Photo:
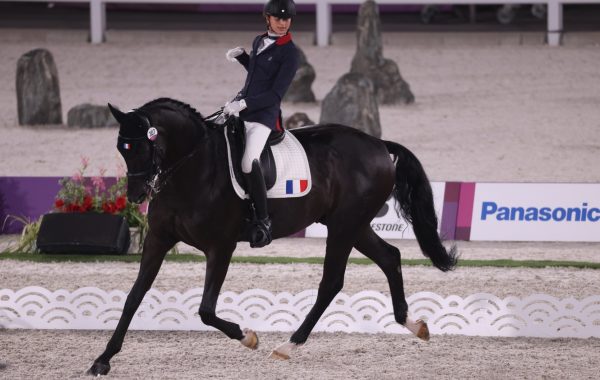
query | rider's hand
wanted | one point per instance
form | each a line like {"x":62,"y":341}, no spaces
{"x":235,"y":107}
{"x":235,"y":52}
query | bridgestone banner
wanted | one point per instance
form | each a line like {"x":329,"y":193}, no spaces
{"x":387,"y":223}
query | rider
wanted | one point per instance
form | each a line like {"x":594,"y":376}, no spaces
{"x":271,"y":67}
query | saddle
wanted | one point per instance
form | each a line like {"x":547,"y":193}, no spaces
{"x":283,"y":161}
{"x":236,"y":136}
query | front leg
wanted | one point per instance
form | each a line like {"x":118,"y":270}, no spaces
{"x":217,"y":264}
{"x":153,"y":255}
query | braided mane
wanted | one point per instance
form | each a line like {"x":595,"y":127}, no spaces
{"x":175,"y":105}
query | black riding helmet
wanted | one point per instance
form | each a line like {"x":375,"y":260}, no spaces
{"x":280,"y":8}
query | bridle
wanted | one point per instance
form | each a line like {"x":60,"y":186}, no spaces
{"x":155,"y":176}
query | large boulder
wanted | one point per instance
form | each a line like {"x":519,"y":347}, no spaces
{"x":352,"y":101}
{"x":38,"y":93}
{"x":90,"y":116}
{"x":297,"y":120}
{"x":300,"y":89}
{"x":391,"y":88}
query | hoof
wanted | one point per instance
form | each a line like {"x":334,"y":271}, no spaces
{"x":98,"y":369}
{"x":278,"y":355}
{"x":250,"y":339}
{"x":423,"y":332}
{"x":283,"y":352}
{"x":419,"y":328}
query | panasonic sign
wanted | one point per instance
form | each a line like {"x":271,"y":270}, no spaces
{"x":536,"y":212}
{"x":540,"y":214}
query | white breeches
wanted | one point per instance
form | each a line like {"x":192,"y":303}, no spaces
{"x":256,"y":137}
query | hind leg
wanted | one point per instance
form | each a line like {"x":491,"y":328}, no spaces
{"x":387,"y":257}
{"x":336,"y":258}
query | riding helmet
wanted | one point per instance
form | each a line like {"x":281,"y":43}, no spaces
{"x":280,"y":8}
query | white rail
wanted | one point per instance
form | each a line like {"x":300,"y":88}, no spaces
{"x":323,"y":12}
{"x":479,"y":314}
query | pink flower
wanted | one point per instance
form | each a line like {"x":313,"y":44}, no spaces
{"x":85,"y":162}
{"x":98,"y":183}
{"x":143,"y":207}
{"x":77,"y":177}
{"x":121,"y":170}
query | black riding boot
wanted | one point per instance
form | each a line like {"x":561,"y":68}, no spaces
{"x":260,"y":234}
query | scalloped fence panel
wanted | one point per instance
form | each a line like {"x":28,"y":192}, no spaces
{"x":479,"y":314}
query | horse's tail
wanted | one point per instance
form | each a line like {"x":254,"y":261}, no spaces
{"x":414,"y":201}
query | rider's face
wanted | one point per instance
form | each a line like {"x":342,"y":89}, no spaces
{"x":279,"y":25}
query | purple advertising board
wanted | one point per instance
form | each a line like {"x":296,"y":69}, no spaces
{"x":26,"y":198}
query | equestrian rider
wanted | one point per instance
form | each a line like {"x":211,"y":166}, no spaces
{"x":271,"y":66}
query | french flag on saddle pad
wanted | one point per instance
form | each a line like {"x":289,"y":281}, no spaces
{"x":295,"y":186}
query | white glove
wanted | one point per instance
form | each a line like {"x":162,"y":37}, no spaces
{"x":232,"y":53}
{"x":235,"y":107}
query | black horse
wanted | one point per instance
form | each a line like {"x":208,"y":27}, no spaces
{"x":353,"y":174}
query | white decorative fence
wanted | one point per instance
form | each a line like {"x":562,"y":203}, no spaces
{"x":368,"y":311}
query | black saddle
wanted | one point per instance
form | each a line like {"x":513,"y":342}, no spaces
{"x":236,"y":135}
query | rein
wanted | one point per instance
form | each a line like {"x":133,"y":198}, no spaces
{"x":156,"y":184}
{"x":160,"y":178}
{"x":217,"y":120}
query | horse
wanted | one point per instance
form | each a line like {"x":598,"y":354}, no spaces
{"x":178,"y":159}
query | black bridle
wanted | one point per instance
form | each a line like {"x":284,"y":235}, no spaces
{"x":155,"y":177}
{"x":160,"y":177}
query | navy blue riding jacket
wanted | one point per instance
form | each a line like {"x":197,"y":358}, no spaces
{"x":270,"y":73}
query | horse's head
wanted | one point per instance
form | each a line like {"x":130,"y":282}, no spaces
{"x":155,"y":141}
{"x":136,"y":143}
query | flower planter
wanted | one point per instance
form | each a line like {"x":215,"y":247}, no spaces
{"x":83,"y":233}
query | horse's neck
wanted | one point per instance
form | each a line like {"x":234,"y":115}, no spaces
{"x":207,"y":175}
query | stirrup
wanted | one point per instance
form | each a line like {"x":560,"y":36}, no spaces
{"x":260,"y":235}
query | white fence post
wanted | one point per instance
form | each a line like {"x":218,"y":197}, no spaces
{"x":555,"y":22}
{"x":323,"y":32}
{"x":97,"y":21}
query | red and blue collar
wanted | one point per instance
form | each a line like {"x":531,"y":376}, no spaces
{"x":283,"y":39}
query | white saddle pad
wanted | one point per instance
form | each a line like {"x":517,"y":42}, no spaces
{"x":293,"y":173}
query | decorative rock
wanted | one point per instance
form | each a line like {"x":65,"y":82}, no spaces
{"x":38,"y":93}
{"x":297,"y":120}
{"x":352,"y":101}
{"x":90,"y":116}
{"x":300,"y":88}
{"x":368,"y":60}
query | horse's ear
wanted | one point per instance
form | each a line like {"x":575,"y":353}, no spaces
{"x":121,"y":117}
